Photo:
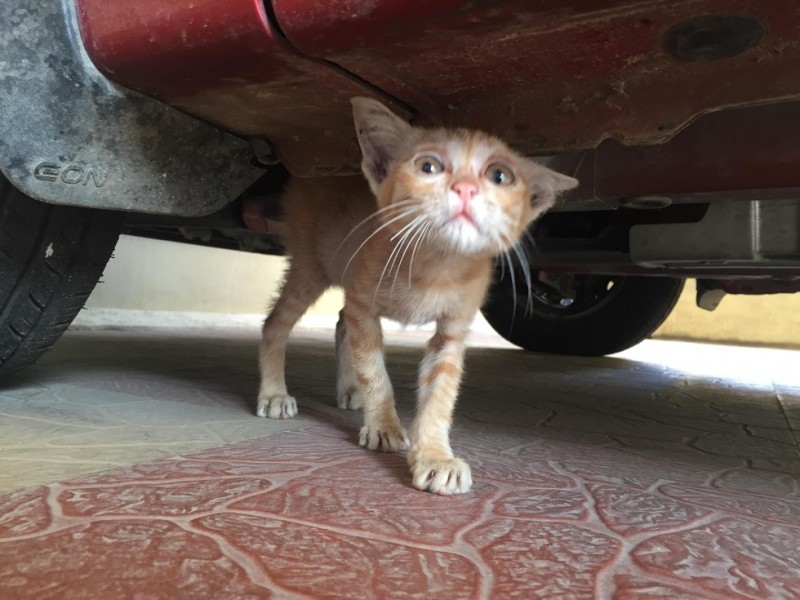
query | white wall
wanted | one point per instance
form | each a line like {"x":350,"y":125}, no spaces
{"x":154,"y":275}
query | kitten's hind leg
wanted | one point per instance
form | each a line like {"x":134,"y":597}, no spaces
{"x":382,"y":429}
{"x":298,"y":293}
{"x":348,"y":394}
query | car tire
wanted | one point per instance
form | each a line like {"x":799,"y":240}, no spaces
{"x":51,"y":257}
{"x":604,"y":315}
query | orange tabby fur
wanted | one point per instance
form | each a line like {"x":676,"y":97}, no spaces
{"x":425,"y":255}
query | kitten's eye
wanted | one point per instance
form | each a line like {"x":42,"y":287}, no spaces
{"x":429,"y":164}
{"x":500,"y":174}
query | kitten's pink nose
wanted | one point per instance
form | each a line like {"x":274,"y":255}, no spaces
{"x":466,"y":189}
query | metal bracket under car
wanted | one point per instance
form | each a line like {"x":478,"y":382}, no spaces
{"x":70,"y":136}
{"x":761,"y":233}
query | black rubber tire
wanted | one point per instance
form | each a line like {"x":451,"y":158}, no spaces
{"x":50,"y":260}
{"x":634,"y":311}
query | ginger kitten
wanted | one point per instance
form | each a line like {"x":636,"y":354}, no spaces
{"x":447,"y":203}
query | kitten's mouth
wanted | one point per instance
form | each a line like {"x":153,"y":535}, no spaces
{"x":463,"y":217}
{"x":465,"y":228}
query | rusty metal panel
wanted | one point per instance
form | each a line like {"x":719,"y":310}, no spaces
{"x":549,"y":75}
{"x":223,"y":62}
{"x":725,"y":152}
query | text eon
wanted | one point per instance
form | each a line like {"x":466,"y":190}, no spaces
{"x":69,"y":174}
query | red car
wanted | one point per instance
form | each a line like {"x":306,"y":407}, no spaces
{"x":181,"y":119}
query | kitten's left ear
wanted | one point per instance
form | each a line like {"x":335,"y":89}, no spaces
{"x":546,"y":184}
{"x":382,"y":135}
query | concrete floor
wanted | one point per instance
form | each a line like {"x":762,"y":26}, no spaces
{"x":132,"y":465}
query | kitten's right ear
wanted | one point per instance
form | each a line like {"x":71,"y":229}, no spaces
{"x":545,"y":184}
{"x":382,"y":136}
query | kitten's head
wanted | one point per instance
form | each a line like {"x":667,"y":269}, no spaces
{"x":473,"y":193}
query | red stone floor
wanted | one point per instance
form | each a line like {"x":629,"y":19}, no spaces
{"x":604,"y":478}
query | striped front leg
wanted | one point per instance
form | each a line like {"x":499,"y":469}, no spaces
{"x":433,"y":466}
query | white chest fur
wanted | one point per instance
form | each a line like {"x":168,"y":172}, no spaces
{"x":420,"y":305}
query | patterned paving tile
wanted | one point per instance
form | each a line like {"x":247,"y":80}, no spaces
{"x":603,"y":478}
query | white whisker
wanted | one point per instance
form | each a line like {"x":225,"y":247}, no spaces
{"x":400,"y":232}
{"x":378,"y":213}
{"x":513,"y":288}
{"x":425,"y":230}
{"x":414,"y":231}
{"x":403,"y":215}
{"x":532,"y":241}
{"x":407,"y":231}
{"x":498,"y":241}
{"x":404,"y":231}
{"x":523,"y":263}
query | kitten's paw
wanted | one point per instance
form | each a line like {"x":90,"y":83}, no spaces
{"x":276,"y":406}
{"x":387,"y":439}
{"x":446,"y":477}
{"x":349,"y":399}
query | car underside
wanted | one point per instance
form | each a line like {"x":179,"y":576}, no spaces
{"x":183,"y":120}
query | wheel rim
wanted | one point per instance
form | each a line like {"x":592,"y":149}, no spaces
{"x":588,"y":294}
